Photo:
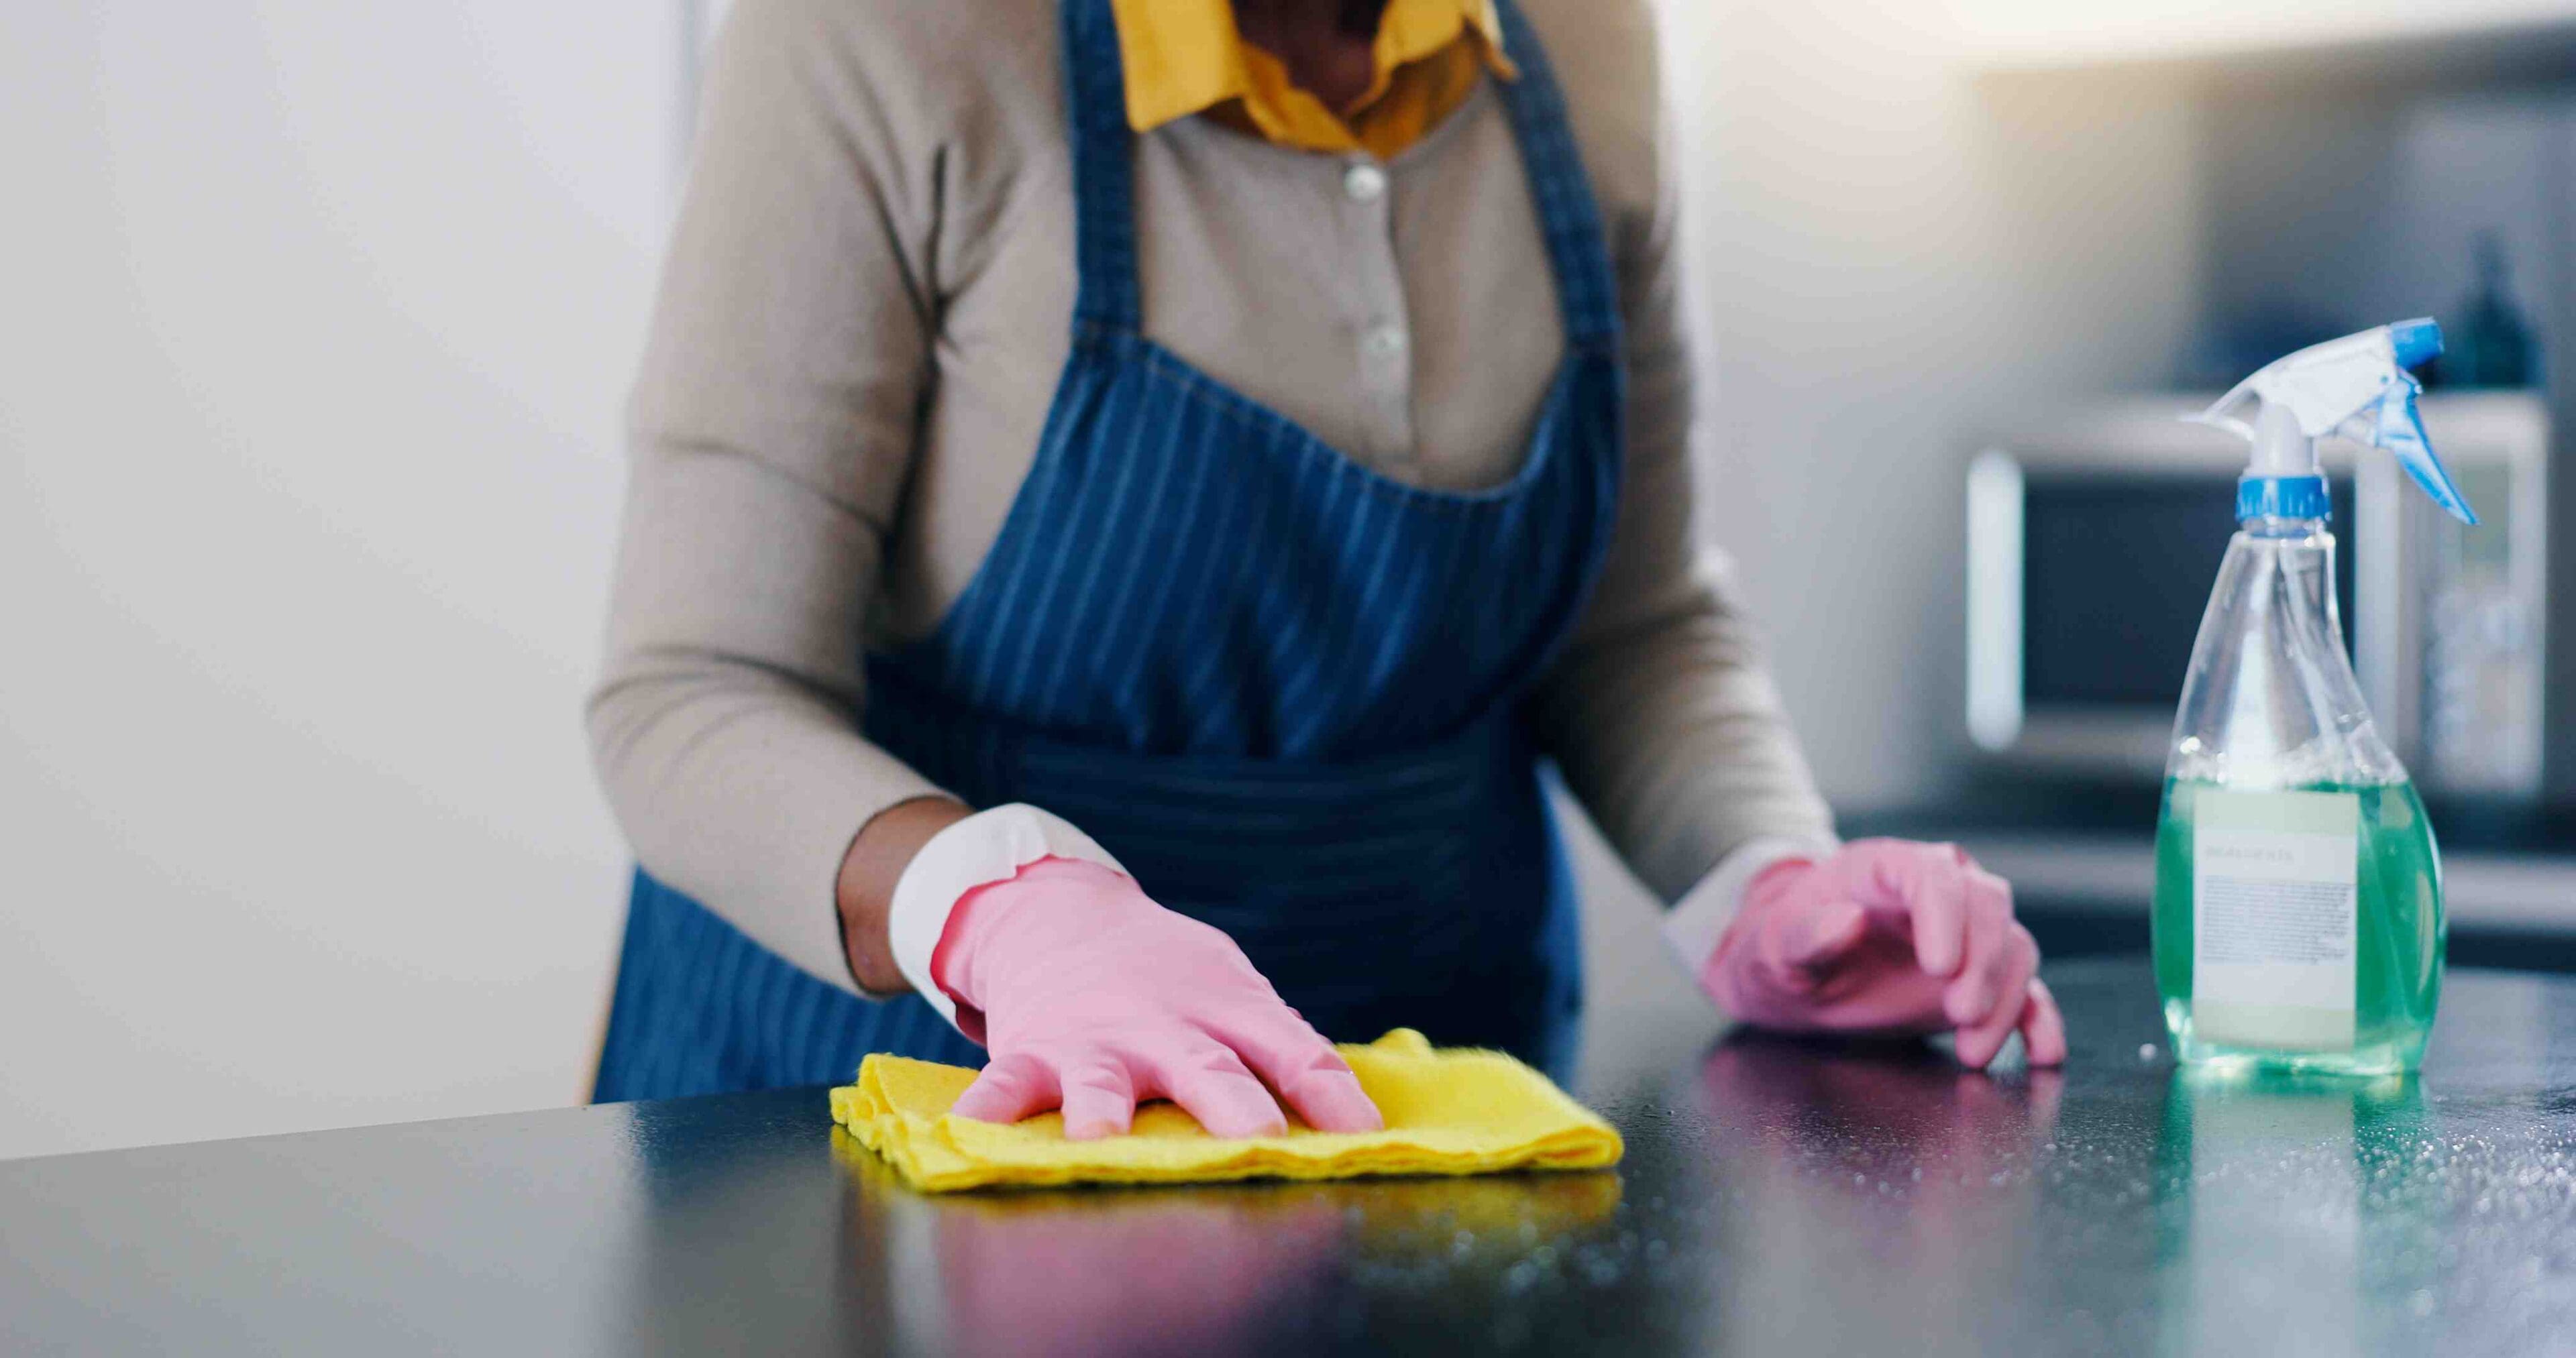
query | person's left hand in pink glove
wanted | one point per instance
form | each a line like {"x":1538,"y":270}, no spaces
{"x":1887,"y":936}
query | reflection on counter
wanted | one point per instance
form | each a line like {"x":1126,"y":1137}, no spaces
{"x":2317,"y":1179}
{"x":1862,"y":1160}
{"x":1190,"y":1269}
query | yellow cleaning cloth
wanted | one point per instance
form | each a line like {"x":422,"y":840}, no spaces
{"x":1447,"y":1112}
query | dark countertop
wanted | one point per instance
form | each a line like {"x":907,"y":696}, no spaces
{"x":1778,"y":1196}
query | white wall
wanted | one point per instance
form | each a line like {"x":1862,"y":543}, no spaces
{"x":317,"y":320}
{"x":2055,"y":31}
{"x":1880,"y":274}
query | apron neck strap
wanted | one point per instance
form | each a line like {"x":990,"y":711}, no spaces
{"x":1104,"y":179}
{"x":1104,"y":168}
{"x":1586,"y":291}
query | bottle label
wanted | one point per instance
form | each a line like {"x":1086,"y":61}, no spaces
{"x":2273,"y":915}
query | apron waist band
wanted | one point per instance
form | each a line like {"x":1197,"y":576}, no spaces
{"x":1443,"y":855}
{"x":1280,"y":800}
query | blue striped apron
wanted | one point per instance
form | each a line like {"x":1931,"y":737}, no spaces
{"x":1283,"y":689}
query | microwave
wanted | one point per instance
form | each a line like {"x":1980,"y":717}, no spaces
{"x":2094,"y":540}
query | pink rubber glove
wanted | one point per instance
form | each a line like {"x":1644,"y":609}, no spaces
{"x":1887,"y":936}
{"x":1091,"y":997}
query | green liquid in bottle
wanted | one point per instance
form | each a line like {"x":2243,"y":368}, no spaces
{"x":2399,"y":936}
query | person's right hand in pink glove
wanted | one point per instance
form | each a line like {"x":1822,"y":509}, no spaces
{"x":1091,"y":997}
{"x":1887,"y":936}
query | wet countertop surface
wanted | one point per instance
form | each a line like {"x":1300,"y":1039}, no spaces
{"x":1778,"y":1196}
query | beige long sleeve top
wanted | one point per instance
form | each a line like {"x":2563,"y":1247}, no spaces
{"x":864,"y":312}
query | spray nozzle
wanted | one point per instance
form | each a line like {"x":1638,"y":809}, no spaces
{"x":2356,"y":386}
{"x":2416,"y":342}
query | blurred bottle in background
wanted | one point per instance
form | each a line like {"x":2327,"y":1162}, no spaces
{"x":2478,"y":638}
{"x":2492,"y":345}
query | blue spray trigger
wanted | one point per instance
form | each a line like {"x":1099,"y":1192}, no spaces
{"x":2400,"y":429}
{"x":2417,"y":342}
{"x":2356,"y":386}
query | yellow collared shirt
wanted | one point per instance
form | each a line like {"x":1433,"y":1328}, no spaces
{"x":1186,"y":56}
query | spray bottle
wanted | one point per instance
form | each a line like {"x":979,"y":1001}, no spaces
{"x":2298,"y":912}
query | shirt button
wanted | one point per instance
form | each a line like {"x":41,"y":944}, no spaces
{"x":1365,"y":183}
{"x":1385,"y":341}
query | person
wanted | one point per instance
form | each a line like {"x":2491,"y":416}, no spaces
{"x":1126,"y":494}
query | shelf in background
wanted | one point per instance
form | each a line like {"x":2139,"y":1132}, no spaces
{"x":2084,"y":889}
{"x":2507,"y":44}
